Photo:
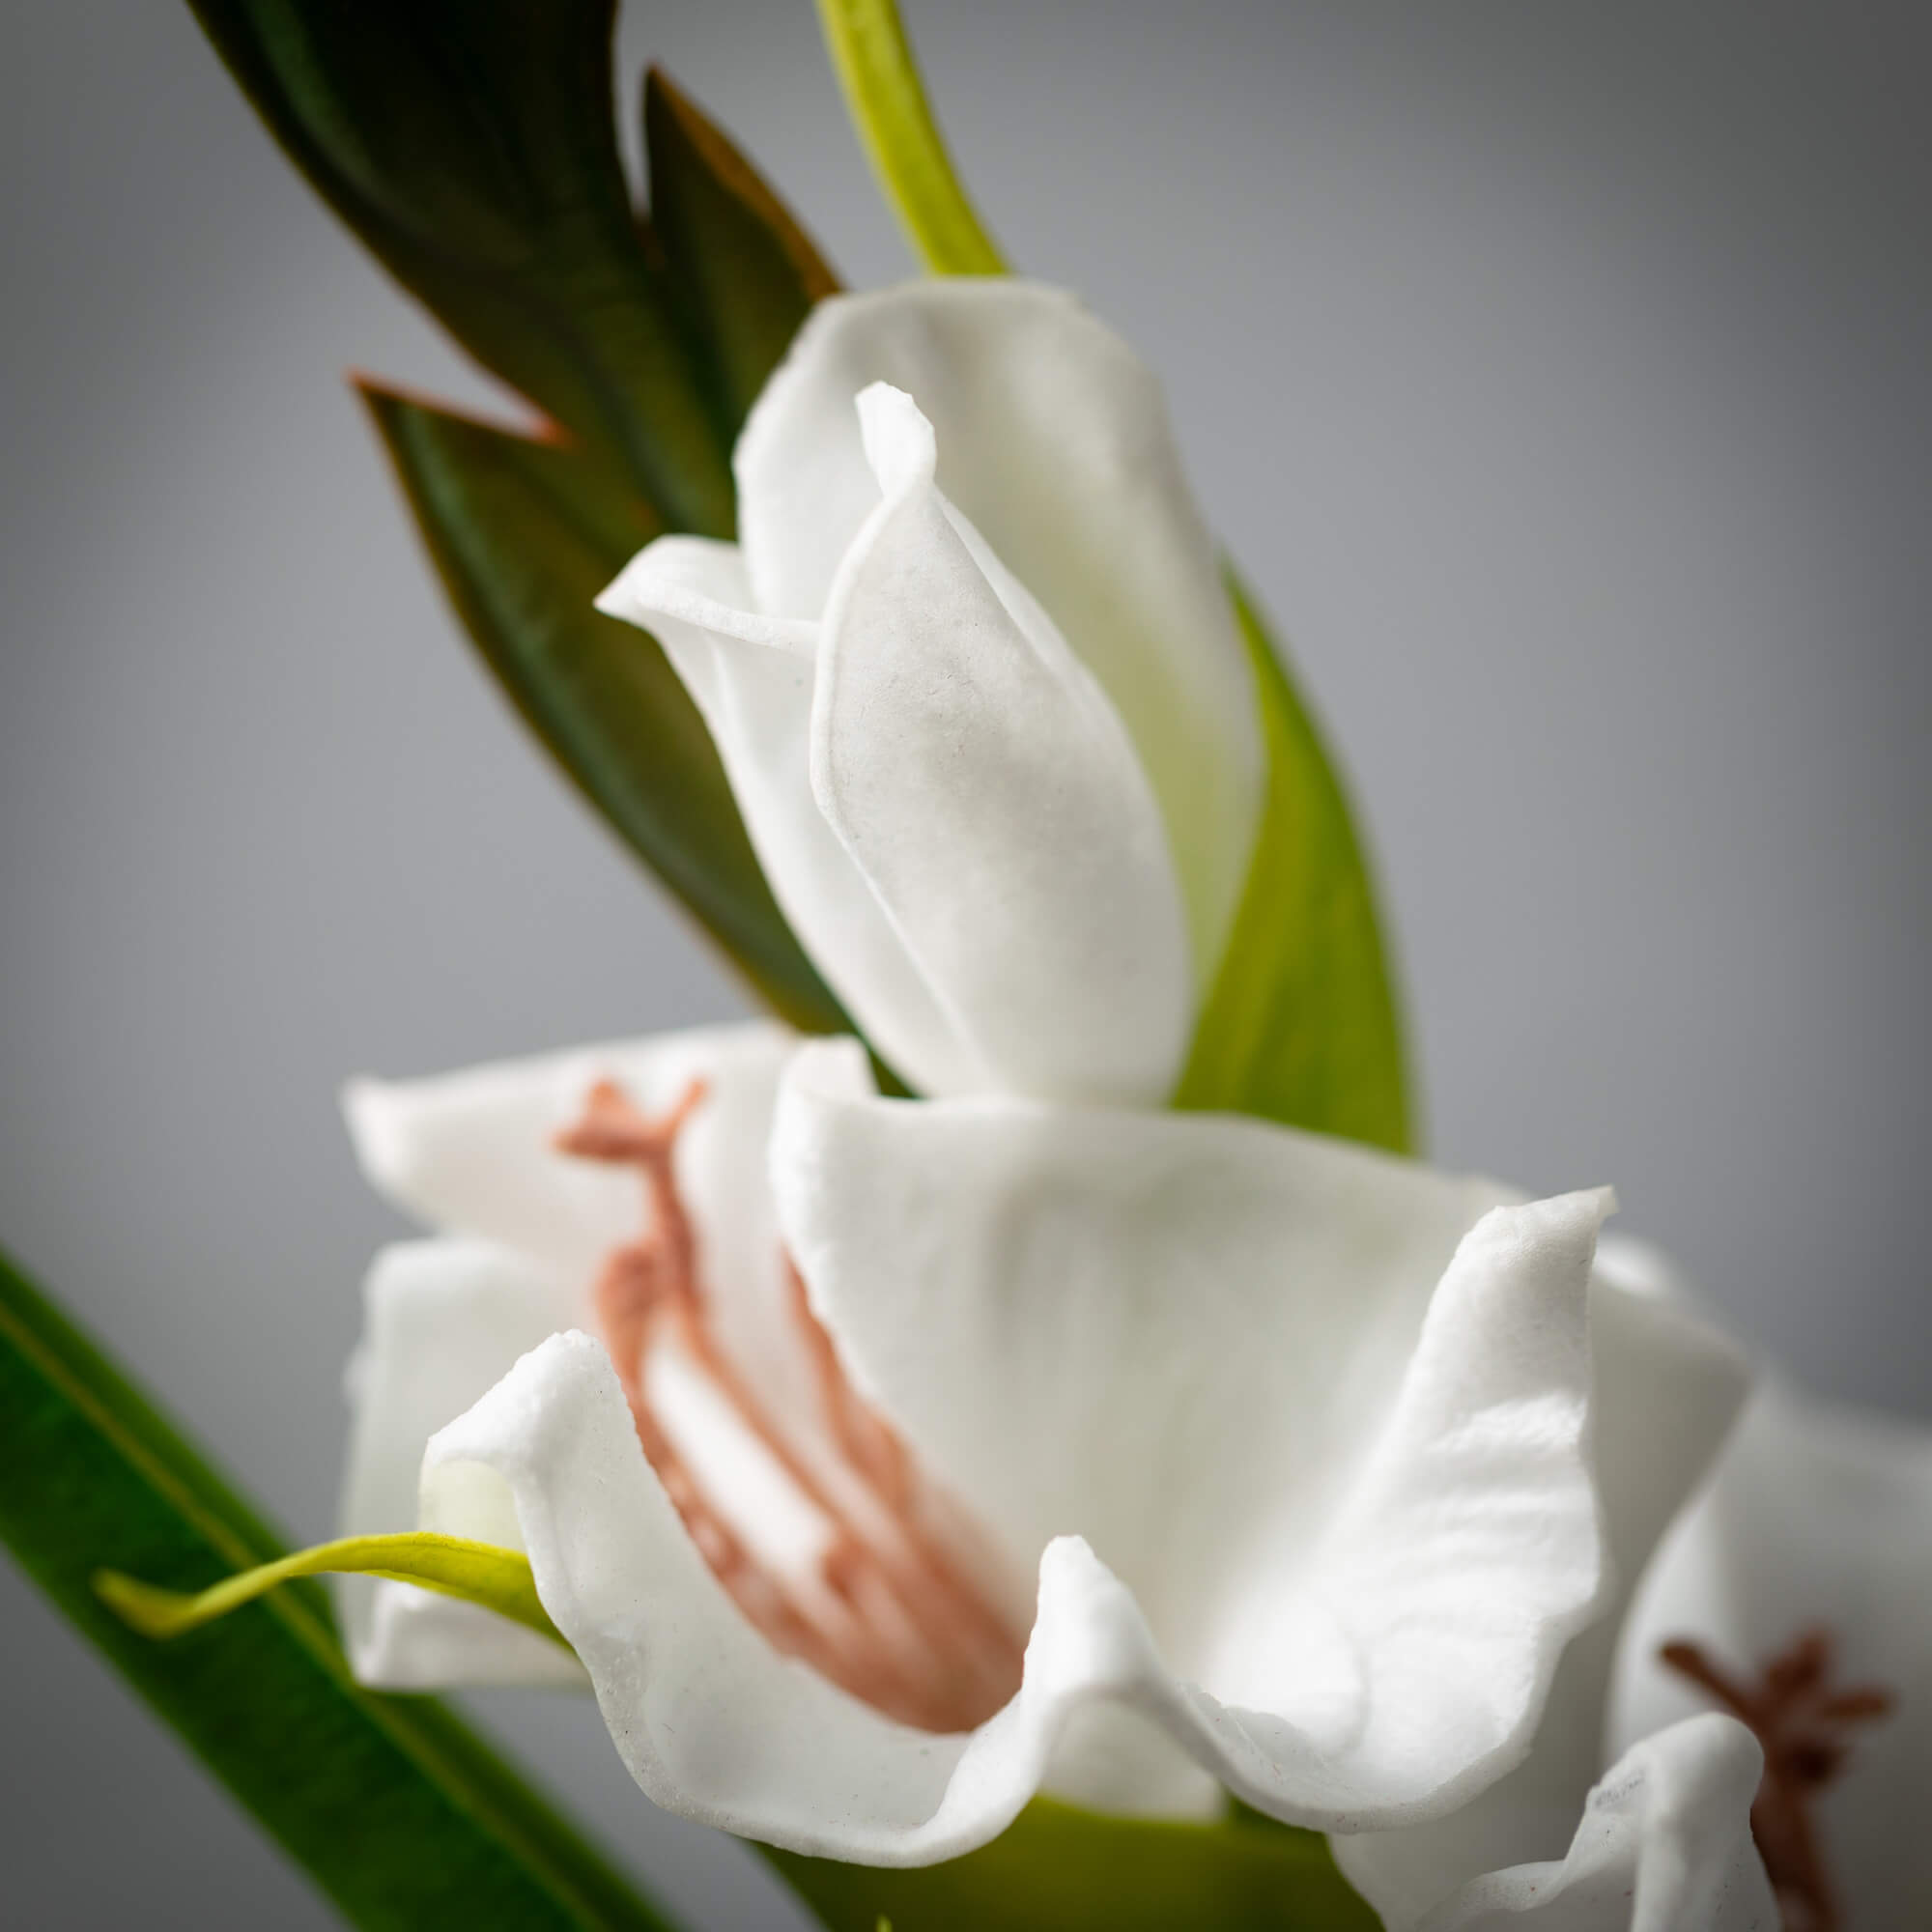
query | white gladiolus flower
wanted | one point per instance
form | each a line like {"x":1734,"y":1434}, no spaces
{"x":977,"y":685}
{"x":922,"y":1456}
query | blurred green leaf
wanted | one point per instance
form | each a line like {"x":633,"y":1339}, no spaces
{"x":1300,"y":1024}
{"x":525,"y":534}
{"x":746,"y":271}
{"x":454,"y":1566}
{"x":1059,"y":1870}
{"x":471,"y":146}
{"x":397,"y":1810}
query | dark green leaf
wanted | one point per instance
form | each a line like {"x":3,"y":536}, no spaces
{"x":525,"y":535}
{"x":1058,"y":1869}
{"x":745,"y":269}
{"x":470,"y":145}
{"x":399,"y":1812}
{"x":1300,"y":1024}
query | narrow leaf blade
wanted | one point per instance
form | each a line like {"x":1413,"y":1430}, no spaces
{"x":1301,"y":1023}
{"x":525,"y":534}
{"x":747,"y":272}
{"x":473,"y":151}
{"x":397,"y":1809}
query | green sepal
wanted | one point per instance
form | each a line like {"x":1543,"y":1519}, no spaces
{"x":746,"y":272}
{"x":1059,"y":1869}
{"x":398,"y":1810}
{"x":453,"y":1566}
{"x":1300,"y":1024}
{"x":473,"y":149}
{"x":525,"y":534}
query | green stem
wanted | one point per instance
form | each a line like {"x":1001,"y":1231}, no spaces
{"x":887,"y":102}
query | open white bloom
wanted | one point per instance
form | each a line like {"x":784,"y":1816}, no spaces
{"x":1798,"y":1591}
{"x":975,"y":679}
{"x":923,"y":1456}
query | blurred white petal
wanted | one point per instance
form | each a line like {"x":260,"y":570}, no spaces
{"x":1817,"y":1518}
{"x":1664,"y":1846}
{"x":444,"y":1322}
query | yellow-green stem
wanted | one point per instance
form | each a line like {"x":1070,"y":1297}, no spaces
{"x":887,"y":102}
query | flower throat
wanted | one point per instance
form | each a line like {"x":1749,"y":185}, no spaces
{"x":886,"y":1611}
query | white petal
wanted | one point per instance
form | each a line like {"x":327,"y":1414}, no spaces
{"x":1817,"y":1516}
{"x":715,"y":1725}
{"x":752,"y":678}
{"x":1667,"y":1389}
{"x":949,"y":808}
{"x":1054,"y":444}
{"x":1358,"y":1512}
{"x":712,"y":1722}
{"x":983,"y":784}
{"x":444,"y":1322}
{"x":1664,"y":1846}
{"x":471,"y":1152}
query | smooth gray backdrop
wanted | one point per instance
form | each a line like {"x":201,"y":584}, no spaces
{"x":1557,"y":372}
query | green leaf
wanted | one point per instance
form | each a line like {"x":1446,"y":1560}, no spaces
{"x":472,"y":149}
{"x":398,"y":1810}
{"x":1300,"y":1024}
{"x":886,"y":99}
{"x":746,"y":271}
{"x":525,"y":534}
{"x":479,"y":1573}
{"x":1059,"y":1870}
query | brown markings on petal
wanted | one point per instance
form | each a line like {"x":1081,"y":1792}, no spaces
{"x":893,"y":1620}
{"x":1797,"y":1715}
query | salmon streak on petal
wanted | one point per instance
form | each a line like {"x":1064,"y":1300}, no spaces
{"x":803,"y":1502}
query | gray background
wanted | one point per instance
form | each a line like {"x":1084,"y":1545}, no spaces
{"x":1559,"y":375}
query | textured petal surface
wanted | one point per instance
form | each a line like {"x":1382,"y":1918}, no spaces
{"x":752,"y":681}
{"x":1666,"y":1391}
{"x":1664,"y":1846}
{"x":945,"y":800}
{"x":444,"y":1322}
{"x":1351,"y":1503}
{"x":1817,"y":1516}
{"x":983,"y":784}
{"x":1054,"y":444}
